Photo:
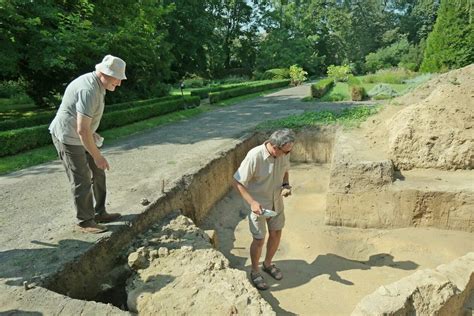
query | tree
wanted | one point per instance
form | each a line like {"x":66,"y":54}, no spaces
{"x":451,"y":44}
{"x":186,"y":25}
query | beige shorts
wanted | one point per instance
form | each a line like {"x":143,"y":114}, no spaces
{"x":258,"y":224}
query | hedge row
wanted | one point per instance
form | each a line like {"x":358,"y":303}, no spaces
{"x":227,"y":94}
{"x":356,"y":90}
{"x":18,"y":140}
{"x":204,"y":92}
{"x":47,"y":117}
{"x":320,"y":88}
{"x":38,"y":119}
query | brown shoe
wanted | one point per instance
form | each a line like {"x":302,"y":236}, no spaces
{"x":91,"y":227}
{"x":107,"y":217}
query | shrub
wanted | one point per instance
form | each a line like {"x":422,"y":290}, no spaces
{"x":297,"y":75}
{"x":387,"y":57}
{"x":39,"y":119}
{"x":18,"y":140}
{"x":352,"y":80}
{"x":451,"y":43}
{"x":382,"y":91}
{"x":357,"y":92}
{"x":47,"y":117}
{"x":233,"y":79}
{"x":204,"y":92}
{"x":9,"y":89}
{"x":194,"y":82}
{"x":392,"y":75}
{"x":276,"y":74}
{"x":131,"y":115}
{"x":320,"y":88}
{"x":248,"y":89}
{"x":339,"y":73}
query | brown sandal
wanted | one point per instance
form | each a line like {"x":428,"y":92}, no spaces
{"x":273,"y":271}
{"x":258,"y":281}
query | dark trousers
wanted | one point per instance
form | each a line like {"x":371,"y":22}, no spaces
{"x":86,"y":180}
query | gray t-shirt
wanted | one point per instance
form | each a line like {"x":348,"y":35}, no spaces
{"x":84,"y":95}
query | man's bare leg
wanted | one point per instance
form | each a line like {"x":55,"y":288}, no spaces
{"x":273,"y":242}
{"x":255,"y":252}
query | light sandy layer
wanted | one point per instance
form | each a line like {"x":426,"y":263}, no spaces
{"x":328,"y":270}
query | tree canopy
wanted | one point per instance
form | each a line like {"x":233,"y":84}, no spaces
{"x":47,"y":43}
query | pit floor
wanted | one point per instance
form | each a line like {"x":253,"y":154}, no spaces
{"x":327,"y":269}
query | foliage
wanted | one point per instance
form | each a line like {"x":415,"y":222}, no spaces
{"x":48,"y":153}
{"x":194,"y":81}
{"x":297,"y":75}
{"x":10,"y":88}
{"x":18,"y":140}
{"x":358,"y":93}
{"x":382,"y":91}
{"x":350,"y":116}
{"x":339,"y":73}
{"x":281,"y":49}
{"x":276,"y":74}
{"x":46,"y":44}
{"x":387,"y":57}
{"x":215,"y":97}
{"x":451,"y":44}
{"x":204,"y":92}
{"x":392,"y":75}
{"x":46,"y":117}
{"x":320,"y":88}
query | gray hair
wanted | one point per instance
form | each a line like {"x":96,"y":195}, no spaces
{"x":282,"y":137}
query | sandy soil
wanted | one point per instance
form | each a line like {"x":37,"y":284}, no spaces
{"x":328,"y":270}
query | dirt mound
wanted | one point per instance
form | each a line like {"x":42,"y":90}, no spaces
{"x":178,"y":272}
{"x":438,"y":130}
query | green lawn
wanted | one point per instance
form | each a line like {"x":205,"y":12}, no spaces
{"x":349,"y":117}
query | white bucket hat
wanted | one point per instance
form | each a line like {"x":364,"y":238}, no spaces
{"x":112,"y":66}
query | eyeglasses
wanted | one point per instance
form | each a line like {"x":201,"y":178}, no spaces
{"x":286,"y":152}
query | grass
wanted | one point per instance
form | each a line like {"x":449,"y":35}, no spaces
{"x":350,"y":117}
{"x":47,"y":153}
{"x":340,"y":92}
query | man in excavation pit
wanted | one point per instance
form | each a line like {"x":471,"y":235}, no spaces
{"x":263,"y":180}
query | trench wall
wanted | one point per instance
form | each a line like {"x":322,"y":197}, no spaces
{"x":193,"y":194}
{"x":362,"y":194}
{"x":444,"y":291}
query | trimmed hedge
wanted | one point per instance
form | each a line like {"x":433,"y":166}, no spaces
{"x":358,"y":93}
{"x":204,"y":92}
{"x":320,"y":88}
{"x":356,"y":90}
{"x":227,"y":94}
{"x":135,"y":114}
{"x":18,"y":140}
{"x":39,"y":119}
{"x":47,"y":117}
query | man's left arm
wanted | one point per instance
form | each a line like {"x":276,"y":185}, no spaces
{"x":285,"y":186}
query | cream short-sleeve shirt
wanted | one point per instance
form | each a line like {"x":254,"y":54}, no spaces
{"x":262,"y":176}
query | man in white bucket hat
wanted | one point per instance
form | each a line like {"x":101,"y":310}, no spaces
{"x":73,"y":131}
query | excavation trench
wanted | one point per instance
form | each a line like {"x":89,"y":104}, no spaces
{"x":323,"y":251}
{"x":193,"y":194}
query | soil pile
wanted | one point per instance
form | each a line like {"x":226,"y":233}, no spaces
{"x":177,"y":272}
{"x":437,"y":131}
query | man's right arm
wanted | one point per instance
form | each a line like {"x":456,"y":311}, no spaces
{"x":254,"y":205}
{"x":87,"y":139}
